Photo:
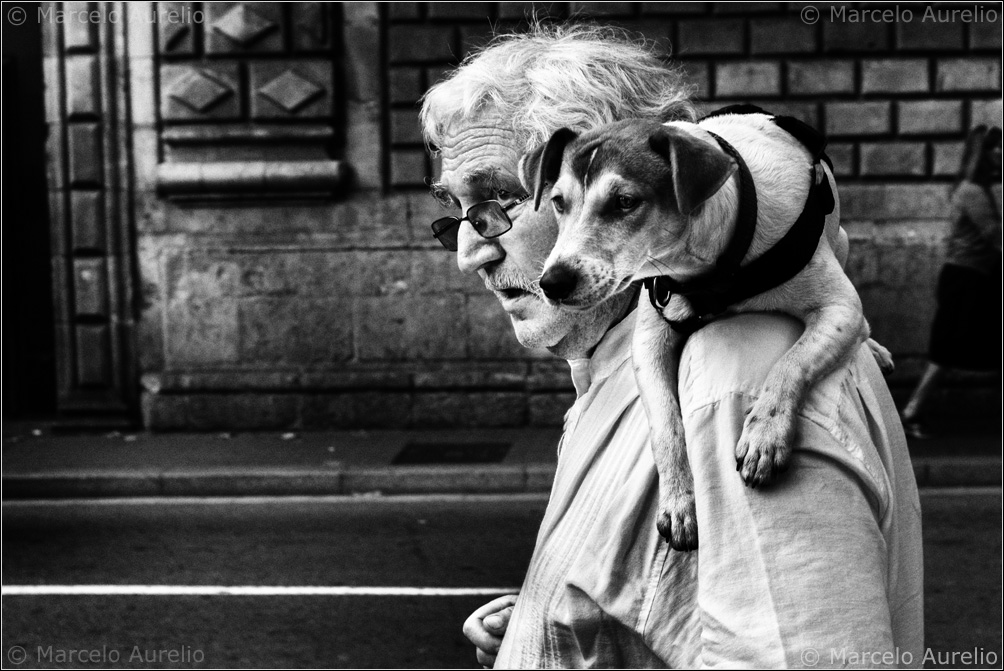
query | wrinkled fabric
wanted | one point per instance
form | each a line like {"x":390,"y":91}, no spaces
{"x":828,"y":560}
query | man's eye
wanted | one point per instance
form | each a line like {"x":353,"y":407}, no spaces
{"x":558,"y":203}
{"x":502,"y":194}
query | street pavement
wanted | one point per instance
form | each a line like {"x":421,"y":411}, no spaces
{"x":356,"y":542}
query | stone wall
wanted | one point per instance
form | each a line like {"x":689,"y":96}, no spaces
{"x":269,"y":298}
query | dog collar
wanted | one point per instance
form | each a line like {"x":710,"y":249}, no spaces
{"x":728,"y":283}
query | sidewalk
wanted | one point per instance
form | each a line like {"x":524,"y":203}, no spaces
{"x":38,"y":463}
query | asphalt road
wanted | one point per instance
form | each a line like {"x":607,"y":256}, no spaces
{"x":392,"y":542}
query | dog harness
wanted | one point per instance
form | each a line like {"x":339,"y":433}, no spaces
{"x":728,"y":283}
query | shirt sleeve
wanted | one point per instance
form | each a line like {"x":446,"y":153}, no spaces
{"x":805,"y":572}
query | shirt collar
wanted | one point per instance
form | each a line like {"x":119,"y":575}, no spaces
{"x":611,"y":352}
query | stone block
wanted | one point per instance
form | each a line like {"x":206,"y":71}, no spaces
{"x":490,"y":330}
{"x":895,"y":76}
{"x":85,"y":155}
{"x":986,"y":112}
{"x":549,"y":409}
{"x":820,"y":77}
{"x":421,"y":43}
{"x":438,"y":273}
{"x":468,"y":374}
{"x":90,"y":287}
{"x":527,"y":10}
{"x":748,"y":78}
{"x":164,"y":413}
{"x":295,"y":331}
{"x":600,"y":9}
{"x":783,"y":35}
{"x":947,"y":158}
{"x":301,"y":89}
{"x":210,"y":92}
{"x":698,"y":74}
{"x":405,"y":327}
{"x":140,"y":35}
{"x":247,"y":412}
{"x":404,"y":127}
{"x":142,"y":92}
{"x":457,"y":11}
{"x":924,"y":117}
{"x":80,"y":26}
{"x":842,"y":155}
{"x":857,"y":118}
{"x":88,"y":220}
{"x":404,"y":84}
{"x":202,"y":331}
{"x":550,"y":375}
{"x":658,"y":31}
{"x":852,"y":37}
{"x":986,"y":34}
{"x":968,"y":74}
{"x":891,"y":202}
{"x":893,"y":158}
{"x":408,"y":167}
{"x":469,"y":409}
{"x":175,"y":37}
{"x":674,"y":8}
{"x":93,"y":355}
{"x":919,"y":35}
{"x":238,"y":28}
{"x":381,"y":410}
{"x":310,"y":25}
{"x":83,"y":86}
{"x":700,"y":37}
{"x":402,"y":11}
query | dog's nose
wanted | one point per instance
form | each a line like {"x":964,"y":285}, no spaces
{"x":558,"y":282}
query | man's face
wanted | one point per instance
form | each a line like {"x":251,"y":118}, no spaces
{"x":480,"y":162}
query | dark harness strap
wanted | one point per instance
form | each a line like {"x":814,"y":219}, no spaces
{"x":728,"y":283}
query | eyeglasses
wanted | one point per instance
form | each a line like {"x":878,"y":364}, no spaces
{"x":489,"y":218}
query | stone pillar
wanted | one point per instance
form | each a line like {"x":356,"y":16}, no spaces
{"x":90,"y":190}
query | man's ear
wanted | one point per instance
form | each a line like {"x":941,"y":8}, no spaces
{"x":698,"y":169}
{"x":545,"y":162}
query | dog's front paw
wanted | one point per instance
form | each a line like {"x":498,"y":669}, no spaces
{"x":766,"y":442}
{"x":677,"y":522}
{"x":883,"y":357}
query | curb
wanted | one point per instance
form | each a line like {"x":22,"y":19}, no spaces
{"x":387,"y":480}
{"x":384,"y":480}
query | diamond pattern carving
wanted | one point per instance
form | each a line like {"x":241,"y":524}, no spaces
{"x":243,"y":26}
{"x":200,"y":92}
{"x":290,"y":91}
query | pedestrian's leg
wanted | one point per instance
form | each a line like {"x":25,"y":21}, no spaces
{"x":914,"y":407}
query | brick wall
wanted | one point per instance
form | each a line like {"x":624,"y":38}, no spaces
{"x":344,"y":312}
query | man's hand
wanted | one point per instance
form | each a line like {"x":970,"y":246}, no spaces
{"x":486,"y":626}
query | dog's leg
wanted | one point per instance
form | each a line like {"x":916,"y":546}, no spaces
{"x":656,"y":358}
{"x":883,"y":357}
{"x":832,"y":334}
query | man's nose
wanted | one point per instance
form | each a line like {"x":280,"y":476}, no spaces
{"x":475,"y":252}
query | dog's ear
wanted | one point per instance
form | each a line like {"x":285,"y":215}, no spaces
{"x":698,"y":169}
{"x":545,"y":162}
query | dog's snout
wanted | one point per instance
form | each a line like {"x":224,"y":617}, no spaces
{"x":559,"y":282}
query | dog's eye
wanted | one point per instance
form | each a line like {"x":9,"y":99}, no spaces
{"x":559,"y":204}
{"x":626,"y":203}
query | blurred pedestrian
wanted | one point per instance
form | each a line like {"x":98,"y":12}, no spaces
{"x":966,"y":332}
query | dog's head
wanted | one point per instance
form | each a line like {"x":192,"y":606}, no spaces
{"x":618,"y":192}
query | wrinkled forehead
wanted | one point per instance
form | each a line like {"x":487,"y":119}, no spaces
{"x":481,"y":153}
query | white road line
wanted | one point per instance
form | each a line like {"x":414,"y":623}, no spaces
{"x":363,"y":499}
{"x":245,"y":590}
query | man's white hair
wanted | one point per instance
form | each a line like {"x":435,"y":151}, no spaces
{"x":577,"y":76}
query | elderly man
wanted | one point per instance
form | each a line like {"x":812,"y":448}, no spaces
{"x":825,"y":563}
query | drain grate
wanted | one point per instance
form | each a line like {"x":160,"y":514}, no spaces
{"x":451,"y":453}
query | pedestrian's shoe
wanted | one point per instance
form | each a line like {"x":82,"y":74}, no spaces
{"x":915,"y":429}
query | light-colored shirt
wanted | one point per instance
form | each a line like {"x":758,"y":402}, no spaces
{"x":823,"y":568}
